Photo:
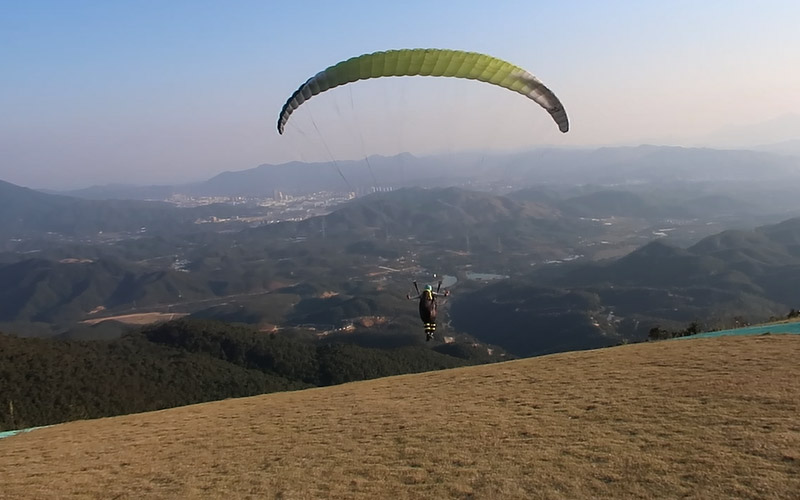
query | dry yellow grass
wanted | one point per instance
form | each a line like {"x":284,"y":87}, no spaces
{"x":705,"y":418}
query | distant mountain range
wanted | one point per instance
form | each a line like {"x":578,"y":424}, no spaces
{"x":782,"y":129}
{"x":604,"y":166}
{"x":63,"y":283}
{"x":791,"y":147}
{"x":444,"y":218}
{"x":25,"y":212}
{"x":338,"y":258}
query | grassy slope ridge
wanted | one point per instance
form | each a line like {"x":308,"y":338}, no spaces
{"x":706,"y":418}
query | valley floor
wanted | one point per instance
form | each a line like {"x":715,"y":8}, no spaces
{"x":700,"y":418}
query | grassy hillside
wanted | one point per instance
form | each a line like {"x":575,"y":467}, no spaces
{"x":707,"y":418}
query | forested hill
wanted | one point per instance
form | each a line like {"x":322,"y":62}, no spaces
{"x":45,"y":381}
{"x":734,"y":277}
{"x":443,"y":217}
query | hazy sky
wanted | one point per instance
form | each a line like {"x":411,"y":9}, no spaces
{"x":93,"y":92}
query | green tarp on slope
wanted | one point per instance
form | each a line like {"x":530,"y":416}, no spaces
{"x":777,"y":328}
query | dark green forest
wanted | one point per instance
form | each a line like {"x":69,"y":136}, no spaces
{"x":46,"y":381}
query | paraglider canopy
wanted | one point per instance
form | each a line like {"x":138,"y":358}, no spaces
{"x":428,"y":62}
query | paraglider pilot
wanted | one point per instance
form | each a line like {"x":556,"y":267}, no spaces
{"x":427,"y":308}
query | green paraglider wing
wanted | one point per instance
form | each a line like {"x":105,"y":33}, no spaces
{"x":428,"y":62}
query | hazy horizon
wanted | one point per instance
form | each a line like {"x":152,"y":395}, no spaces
{"x":153,"y":93}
